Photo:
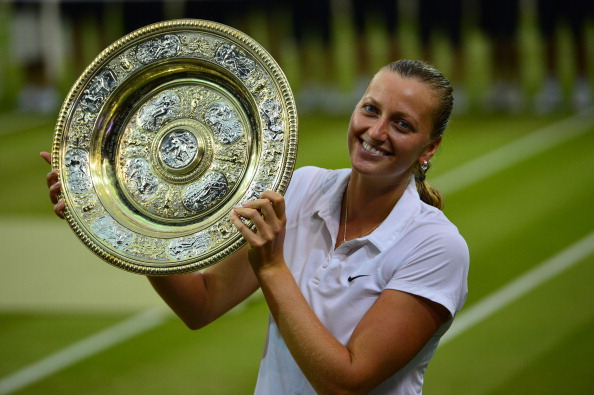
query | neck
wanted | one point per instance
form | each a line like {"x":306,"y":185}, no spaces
{"x":365,"y":205}
{"x":373,"y":199}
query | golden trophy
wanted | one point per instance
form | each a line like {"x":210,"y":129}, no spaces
{"x":164,"y":132}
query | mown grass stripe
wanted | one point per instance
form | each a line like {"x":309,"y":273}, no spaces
{"x":76,"y":352}
{"x":520,"y":287}
{"x":515,"y":152}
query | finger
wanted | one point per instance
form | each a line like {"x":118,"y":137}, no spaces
{"x":254,"y":204}
{"x":278,"y":203}
{"x":245,"y":231}
{"x":252,"y":214}
{"x":51,"y":178}
{"x":264,"y":227}
{"x":54,"y":192}
{"x":59,"y":208}
{"x":46,"y":156}
{"x":269,"y":214}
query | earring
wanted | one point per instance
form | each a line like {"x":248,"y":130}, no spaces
{"x":424,"y":166}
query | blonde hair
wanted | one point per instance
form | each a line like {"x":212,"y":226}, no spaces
{"x":427,"y":74}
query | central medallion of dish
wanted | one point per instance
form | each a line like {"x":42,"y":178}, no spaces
{"x":183,"y":151}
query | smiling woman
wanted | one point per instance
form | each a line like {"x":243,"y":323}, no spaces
{"x":361,"y":275}
{"x":391,"y":130}
{"x":362,"y":241}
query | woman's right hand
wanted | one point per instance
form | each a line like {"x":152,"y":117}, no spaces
{"x":55,"y":187}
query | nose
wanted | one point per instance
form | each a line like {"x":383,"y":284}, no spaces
{"x":378,"y":130}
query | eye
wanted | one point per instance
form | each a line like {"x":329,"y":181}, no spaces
{"x":369,"y":108}
{"x":401,"y":124}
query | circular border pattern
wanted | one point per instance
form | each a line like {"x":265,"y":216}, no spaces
{"x":88,"y":121}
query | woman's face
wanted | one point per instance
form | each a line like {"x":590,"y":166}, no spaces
{"x":390,"y":128}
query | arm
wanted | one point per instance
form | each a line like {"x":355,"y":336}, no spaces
{"x":390,"y":334}
{"x":197,"y":298}
{"x":200,"y":298}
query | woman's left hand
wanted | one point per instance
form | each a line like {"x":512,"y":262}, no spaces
{"x":266,"y":242}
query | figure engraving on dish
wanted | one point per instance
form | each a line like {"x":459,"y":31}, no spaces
{"x":142,"y":183}
{"x":97,"y":91}
{"x":77,"y":166}
{"x":229,"y":56}
{"x":223,"y":120}
{"x":178,"y":149}
{"x":271,"y":111}
{"x":190,"y":246}
{"x":159,"y":110}
{"x":167,"y":46}
{"x":203,"y":194}
{"x":109,"y":230}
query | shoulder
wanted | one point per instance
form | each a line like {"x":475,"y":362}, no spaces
{"x":432,"y":232}
{"x":310,"y":180}
{"x":438,"y":259}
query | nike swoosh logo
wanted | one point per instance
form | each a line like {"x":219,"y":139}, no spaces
{"x":351,"y":278}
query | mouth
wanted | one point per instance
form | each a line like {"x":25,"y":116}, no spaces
{"x":373,"y":150}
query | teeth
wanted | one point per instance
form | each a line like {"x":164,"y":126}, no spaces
{"x":370,"y":149}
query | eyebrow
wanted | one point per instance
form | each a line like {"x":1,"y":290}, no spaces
{"x":411,"y":119}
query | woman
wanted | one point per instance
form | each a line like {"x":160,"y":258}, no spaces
{"x":361,"y":276}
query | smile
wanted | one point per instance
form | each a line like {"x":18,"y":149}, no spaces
{"x":367,"y":147}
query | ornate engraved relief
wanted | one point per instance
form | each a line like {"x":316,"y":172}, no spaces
{"x":164,"y":47}
{"x":100,"y":87}
{"x":255,"y":191}
{"x":76,"y":162}
{"x":206,"y":192}
{"x":199,"y":46}
{"x":107,"y":229}
{"x":221,"y":117}
{"x":159,"y":110}
{"x":140,"y":179}
{"x":178,"y":149}
{"x":232,"y":58}
{"x":271,"y":111}
{"x":189,"y":246}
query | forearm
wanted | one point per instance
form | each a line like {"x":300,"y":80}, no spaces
{"x":186,"y":295}
{"x":200,"y":298}
{"x":327,"y":364}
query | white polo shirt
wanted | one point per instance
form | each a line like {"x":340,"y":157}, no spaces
{"x":415,"y":250}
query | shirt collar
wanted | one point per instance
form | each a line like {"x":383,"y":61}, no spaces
{"x":332,"y":191}
{"x":329,"y":203}
{"x":407,"y":207}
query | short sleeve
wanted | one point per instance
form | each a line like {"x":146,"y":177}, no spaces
{"x":436,"y":269}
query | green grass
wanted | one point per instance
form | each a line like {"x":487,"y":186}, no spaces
{"x":220,"y":359}
{"x":42,"y":334}
{"x":513,"y":220}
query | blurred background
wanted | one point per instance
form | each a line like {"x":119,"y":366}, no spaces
{"x":506,"y":56}
{"x":515,"y":168}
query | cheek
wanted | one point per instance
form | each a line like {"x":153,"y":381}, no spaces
{"x":351,"y":133}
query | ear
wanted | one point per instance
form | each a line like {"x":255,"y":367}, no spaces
{"x":429,"y":150}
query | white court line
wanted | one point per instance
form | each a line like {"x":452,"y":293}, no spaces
{"x":515,"y":152}
{"x":94,"y":344}
{"x":520,"y":286}
{"x":459,"y":178}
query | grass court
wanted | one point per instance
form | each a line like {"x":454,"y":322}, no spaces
{"x":518,"y":210}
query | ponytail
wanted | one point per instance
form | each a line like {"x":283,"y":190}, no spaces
{"x":427,"y":193}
